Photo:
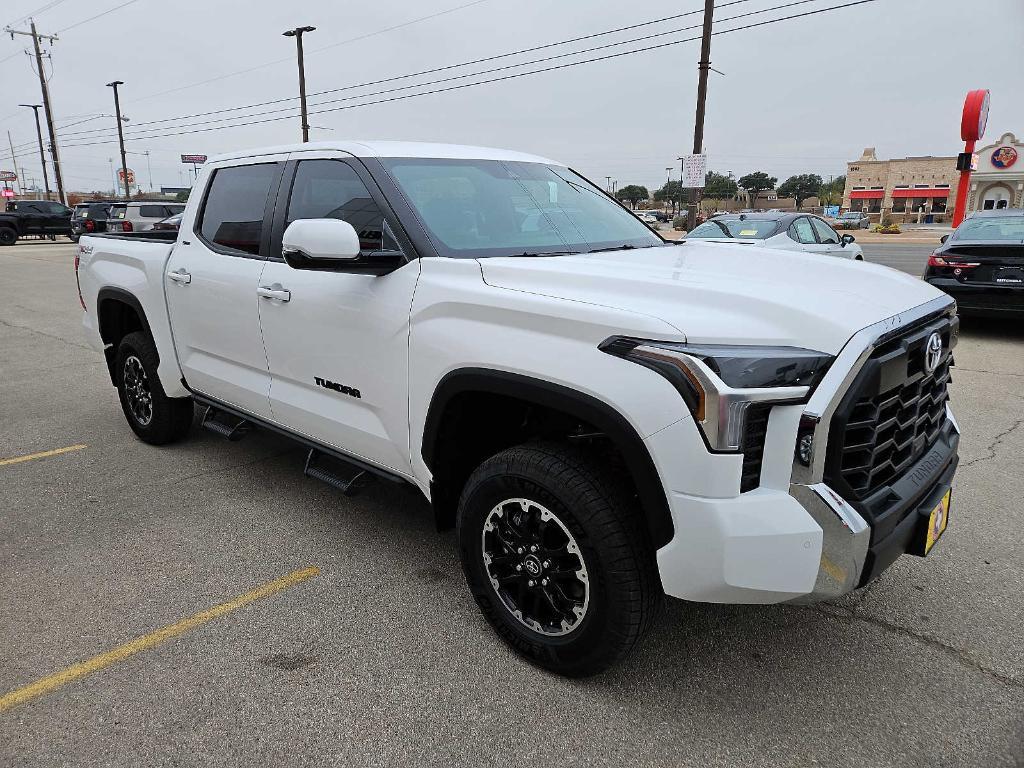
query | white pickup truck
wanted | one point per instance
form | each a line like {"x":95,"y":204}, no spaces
{"x":604,"y":416}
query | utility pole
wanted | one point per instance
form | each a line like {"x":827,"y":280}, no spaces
{"x":702,"y":94}
{"x":297,"y":34}
{"x":120,"y":138}
{"x":14,"y":161}
{"x":42,"y":153}
{"x":54,"y":152}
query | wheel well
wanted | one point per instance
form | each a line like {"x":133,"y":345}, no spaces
{"x":119,"y":314}
{"x":475,"y":415}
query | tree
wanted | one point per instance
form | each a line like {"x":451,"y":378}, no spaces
{"x":832,"y":193}
{"x":718,"y":187}
{"x":634,"y":193}
{"x":756,"y":183}
{"x":182,"y":196}
{"x":669,"y":193}
{"x":801,"y":187}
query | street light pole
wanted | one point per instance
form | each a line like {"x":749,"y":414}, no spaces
{"x":297,"y":34}
{"x":42,"y":154}
{"x":120,"y":137}
{"x":702,"y":94}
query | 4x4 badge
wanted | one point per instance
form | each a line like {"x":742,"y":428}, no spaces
{"x":933,"y":352}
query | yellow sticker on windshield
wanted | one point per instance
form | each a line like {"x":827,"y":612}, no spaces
{"x":747,"y":232}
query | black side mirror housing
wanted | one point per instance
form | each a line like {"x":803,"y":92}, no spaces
{"x":847,"y":239}
{"x":944,"y":238}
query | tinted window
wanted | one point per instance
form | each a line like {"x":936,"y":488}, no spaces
{"x":991,"y":228}
{"x":232,"y":215}
{"x":825,"y":233}
{"x":117,"y":211}
{"x":754,"y":229}
{"x":800,"y":230}
{"x":153,"y":211}
{"x":474,"y":208}
{"x":330,"y":189}
{"x":173,"y":209}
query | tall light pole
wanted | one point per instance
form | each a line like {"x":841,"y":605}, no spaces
{"x":42,"y":154}
{"x":668,"y":180}
{"x":702,"y":94}
{"x":297,"y":34}
{"x":120,"y":137}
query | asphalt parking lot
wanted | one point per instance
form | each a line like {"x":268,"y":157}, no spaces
{"x":379,"y":656}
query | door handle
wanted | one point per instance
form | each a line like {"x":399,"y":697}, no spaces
{"x":180,"y":276}
{"x":275,"y":292}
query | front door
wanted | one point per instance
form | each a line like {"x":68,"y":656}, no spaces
{"x":338,"y":342}
{"x":829,"y":241}
{"x":802,"y":232}
{"x":211,"y":283}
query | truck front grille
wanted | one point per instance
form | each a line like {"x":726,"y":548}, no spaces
{"x":891,"y":415}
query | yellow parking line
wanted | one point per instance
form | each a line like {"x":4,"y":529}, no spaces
{"x":41,"y":454}
{"x":122,"y":652}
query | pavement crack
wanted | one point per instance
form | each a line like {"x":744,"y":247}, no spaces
{"x":851,"y":615}
{"x":992,"y":446}
{"x":993,"y":373}
{"x":9,"y":324}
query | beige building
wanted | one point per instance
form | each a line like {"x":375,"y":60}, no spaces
{"x":912,"y":188}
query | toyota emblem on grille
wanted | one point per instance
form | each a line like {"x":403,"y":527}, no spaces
{"x":933,"y":352}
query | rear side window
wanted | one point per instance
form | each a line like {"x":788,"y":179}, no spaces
{"x":232,"y":215}
{"x":330,"y":189}
{"x":152,"y":211}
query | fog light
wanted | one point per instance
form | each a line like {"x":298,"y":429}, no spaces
{"x":804,"y":448}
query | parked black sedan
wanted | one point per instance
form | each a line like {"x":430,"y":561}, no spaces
{"x":981,"y":264}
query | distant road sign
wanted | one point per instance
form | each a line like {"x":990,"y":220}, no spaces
{"x":131,"y":175}
{"x":194,"y":159}
{"x":8,"y":176}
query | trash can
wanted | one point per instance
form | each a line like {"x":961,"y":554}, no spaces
{"x":929,"y":219}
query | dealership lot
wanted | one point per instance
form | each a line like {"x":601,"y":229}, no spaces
{"x":380,"y":657}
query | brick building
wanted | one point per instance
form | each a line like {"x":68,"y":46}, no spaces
{"x":909,"y":187}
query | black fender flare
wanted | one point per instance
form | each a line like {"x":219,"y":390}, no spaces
{"x":124,"y":297}
{"x":587,"y":408}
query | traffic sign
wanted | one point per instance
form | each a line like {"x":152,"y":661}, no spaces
{"x":193,"y":159}
{"x":695,"y":169}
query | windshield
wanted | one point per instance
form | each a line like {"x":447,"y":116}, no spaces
{"x":991,"y":228}
{"x":117,"y":211}
{"x":754,"y":229}
{"x":476,"y":208}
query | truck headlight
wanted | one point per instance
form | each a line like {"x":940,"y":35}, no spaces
{"x":719,"y":382}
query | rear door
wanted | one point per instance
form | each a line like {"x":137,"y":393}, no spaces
{"x":211,"y":280}
{"x":338,"y":347}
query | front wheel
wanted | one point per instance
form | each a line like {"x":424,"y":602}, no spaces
{"x":556,"y":559}
{"x":153,"y":416}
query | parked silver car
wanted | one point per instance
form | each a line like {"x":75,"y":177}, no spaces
{"x":853,"y":219}
{"x":140,"y":216}
{"x":786,"y":231}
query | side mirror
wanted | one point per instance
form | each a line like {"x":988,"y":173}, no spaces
{"x":847,"y":239}
{"x":944,"y":238}
{"x":313,"y":243}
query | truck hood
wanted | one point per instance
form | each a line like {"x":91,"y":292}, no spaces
{"x":725,"y":293}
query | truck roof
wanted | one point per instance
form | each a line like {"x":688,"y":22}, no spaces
{"x":394,"y":149}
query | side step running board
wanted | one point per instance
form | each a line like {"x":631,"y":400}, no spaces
{"x":215,"y":420}
{"x":348,"y":486}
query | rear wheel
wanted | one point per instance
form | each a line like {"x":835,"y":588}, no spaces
{"x":555,"y":558}
{"x":8,"y":236}
{"x":153,"y":416}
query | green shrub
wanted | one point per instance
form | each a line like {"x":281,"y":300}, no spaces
{"x":679,"y":222}
{"x":887,"y":229}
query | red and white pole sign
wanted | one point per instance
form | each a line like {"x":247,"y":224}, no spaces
{"x":972,"y":128}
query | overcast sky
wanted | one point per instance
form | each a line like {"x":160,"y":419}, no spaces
{"x":799,"y":96}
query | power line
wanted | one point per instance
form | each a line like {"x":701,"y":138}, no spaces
{"x":495,"y":79}
{"x":36,"y":12}
{"x":314,"y":50}
{"x":97,"y":16}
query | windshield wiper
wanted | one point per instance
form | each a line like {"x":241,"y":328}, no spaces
{"x":623,"y":247}
{"x":546,"y":253}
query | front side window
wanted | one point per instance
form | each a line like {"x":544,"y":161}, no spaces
{"x":331,"y":189}
{"x":826,"y":234}
{"x":232,"y":215}
{"x":801,"y":231}
{"x":480,"y":208}
{"x":753,"y":229}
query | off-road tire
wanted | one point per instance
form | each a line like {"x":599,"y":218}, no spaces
{"x":8,"y":236}
{"x":169,"y":417}
{"x":603,"y":518}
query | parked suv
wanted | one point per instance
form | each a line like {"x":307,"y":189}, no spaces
{"x":89,"y":218}
{"x":140,"y":216}
{"x":603,"y":416}
{"x":42,"y":218}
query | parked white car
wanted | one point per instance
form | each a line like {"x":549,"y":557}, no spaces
{"x":605,"y":417}
{"x":787,"y":231}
